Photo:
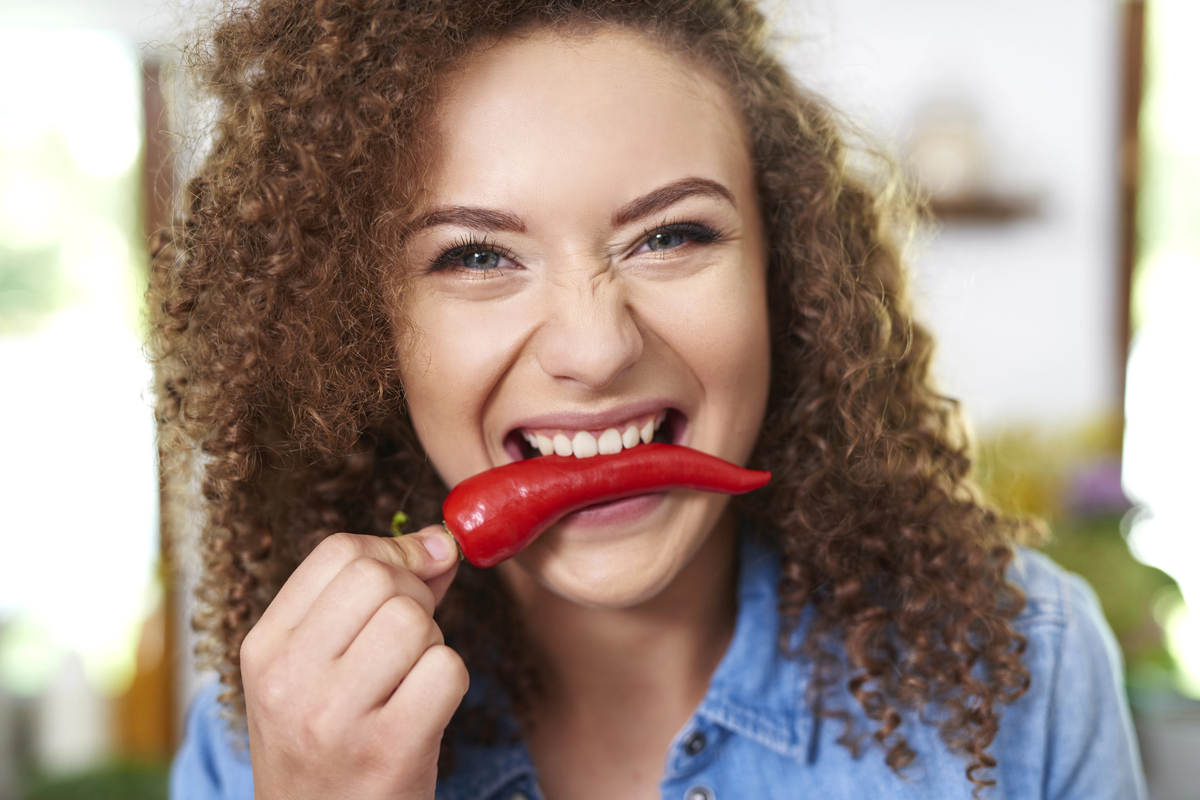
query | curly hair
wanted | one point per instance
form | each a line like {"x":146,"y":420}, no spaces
{"x":274,"y":333}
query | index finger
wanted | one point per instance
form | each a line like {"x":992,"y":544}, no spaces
{"x":428,"y":554}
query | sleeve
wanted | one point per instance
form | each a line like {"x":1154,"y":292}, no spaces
{"x":1091,"y":750}
{"x":212,"y":764}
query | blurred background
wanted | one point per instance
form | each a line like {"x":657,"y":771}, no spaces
{"x":1058,"y":145}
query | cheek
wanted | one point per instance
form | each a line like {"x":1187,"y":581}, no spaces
{"x":719,"y":326}
{"x":450,"y":367}
{"x":732,"y":346}
{"x":735,"y":363}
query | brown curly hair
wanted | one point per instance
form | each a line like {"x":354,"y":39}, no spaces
{"x":273,"y":302}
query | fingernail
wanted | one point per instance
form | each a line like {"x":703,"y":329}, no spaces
{"x":439,"y":546}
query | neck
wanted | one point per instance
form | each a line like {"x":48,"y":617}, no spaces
{"x":600,"y":662}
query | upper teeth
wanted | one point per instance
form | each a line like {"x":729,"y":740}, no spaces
{"x":582,"y":444}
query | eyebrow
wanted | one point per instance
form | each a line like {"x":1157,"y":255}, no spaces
{"x":482,"y":219}
{"x":667,"y":196}
{"x":663,"y":197}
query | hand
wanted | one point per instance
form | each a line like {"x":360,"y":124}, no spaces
{"x":349,"y":684}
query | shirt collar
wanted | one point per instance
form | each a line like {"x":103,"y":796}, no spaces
{"x":497,"y":771}
{"x":755,"y":693}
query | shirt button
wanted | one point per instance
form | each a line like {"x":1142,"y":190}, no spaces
{"x":694,"y":744}
{"x":700,"y":793}
{"x":518,"y":795}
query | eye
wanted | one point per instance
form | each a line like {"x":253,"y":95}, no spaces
{"x":472,"y":256}
{"x":676,"y":235}
{"x":479,"y":259}
{"x":665,"y":240}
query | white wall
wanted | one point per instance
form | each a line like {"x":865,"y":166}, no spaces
{"x":1025,"y":312}
{"x":145,"y":24}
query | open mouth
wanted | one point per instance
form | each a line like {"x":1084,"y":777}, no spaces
{"x":667,"y":426}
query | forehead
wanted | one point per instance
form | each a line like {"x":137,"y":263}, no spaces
{"x":610,"y":114}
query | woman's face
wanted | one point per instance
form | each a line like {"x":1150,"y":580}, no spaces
{"x":588,"y":257}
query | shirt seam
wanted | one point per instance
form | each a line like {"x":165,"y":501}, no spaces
{"x":751,"y":725}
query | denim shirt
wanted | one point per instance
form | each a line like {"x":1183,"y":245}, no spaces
{"x":754,"y":736}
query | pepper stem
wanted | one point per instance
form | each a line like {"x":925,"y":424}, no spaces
{"x":398,"y":520}
{"x":461,"y":556}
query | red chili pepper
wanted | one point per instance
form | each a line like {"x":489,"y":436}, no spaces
{"x":496,"y":513}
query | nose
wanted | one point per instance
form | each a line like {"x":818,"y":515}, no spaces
{"x":589,"y":336}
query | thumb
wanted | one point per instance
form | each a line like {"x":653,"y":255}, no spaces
{"x":430,"y":553}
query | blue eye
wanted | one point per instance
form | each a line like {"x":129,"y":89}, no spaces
{"x":665,"y":240}
{"x":471,"y":256}
{"x":479,"y":259}
{"x":678,"y":234}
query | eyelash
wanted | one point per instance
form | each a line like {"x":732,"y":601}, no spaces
{"x":695,"y":232}
{"x":462,"y":246}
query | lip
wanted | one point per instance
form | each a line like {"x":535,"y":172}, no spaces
{"x":594,"y":420}
{"x":617,"y":512}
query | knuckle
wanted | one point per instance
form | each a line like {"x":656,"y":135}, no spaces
{"x":325,"y":727}
{"x":368,"y":573}
{"x":248,"y":653}
{"x":409,"y":553}
{"x":450,"y":667}
{"x":271,"y":692}
{"x":256,"y":650}
{"x":310,"y":735}
{"x":407,"y":614}
{"x":413,"y":552}
{"x":422,"y":595}
{"x":340,"y":547}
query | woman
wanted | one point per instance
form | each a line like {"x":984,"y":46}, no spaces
{"x":432,"y":238}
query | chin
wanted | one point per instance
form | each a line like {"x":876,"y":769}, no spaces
{"x":601,"y":582}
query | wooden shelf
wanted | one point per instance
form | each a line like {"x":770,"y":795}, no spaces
{"x":984,"y":208}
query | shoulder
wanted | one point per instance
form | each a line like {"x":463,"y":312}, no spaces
{"x":213,"y":762}
{"x":1070,"y":735}
{"x":1054,"y":597}
{"x":1069,"y":645}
